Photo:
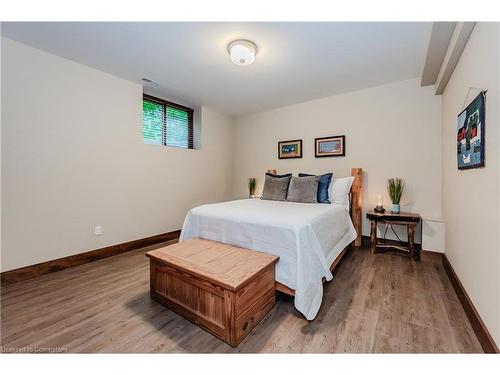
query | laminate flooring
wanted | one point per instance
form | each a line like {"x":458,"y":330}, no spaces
{"x":375,"y":304}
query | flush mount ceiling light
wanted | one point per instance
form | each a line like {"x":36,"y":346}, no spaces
{"x":242,"y":51}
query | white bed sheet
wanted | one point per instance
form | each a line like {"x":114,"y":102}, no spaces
{"x":307,"y":238}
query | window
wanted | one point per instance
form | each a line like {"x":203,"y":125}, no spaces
{"x":165,"y":123}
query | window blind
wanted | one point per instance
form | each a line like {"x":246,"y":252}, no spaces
{"x":166,"y":123}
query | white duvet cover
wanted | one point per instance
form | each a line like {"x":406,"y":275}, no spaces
{"x":307,"y":238}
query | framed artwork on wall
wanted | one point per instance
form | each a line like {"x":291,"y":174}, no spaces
{"x":329,"y":146}
{"x":470,"y":134}
{"x":290,"y":149}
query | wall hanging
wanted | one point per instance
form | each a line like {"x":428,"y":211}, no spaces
{"x":329,"y":146}
{"x":290,"y":149}
{"x":470,"y":134}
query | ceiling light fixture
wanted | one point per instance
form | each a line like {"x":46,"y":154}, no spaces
{"x":242,"y":51}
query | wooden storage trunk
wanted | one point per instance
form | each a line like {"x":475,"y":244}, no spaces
{"x":224,"y":289}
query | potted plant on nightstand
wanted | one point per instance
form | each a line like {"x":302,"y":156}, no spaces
{"x":395,"y":188}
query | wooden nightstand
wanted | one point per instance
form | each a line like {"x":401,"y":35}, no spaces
{"x":403,"y":218}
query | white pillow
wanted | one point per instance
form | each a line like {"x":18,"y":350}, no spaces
{"x":340,"y":189}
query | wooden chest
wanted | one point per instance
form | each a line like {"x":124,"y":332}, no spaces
{"x":224,"y":289}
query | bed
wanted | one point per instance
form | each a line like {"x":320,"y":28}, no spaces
{"x":309,"y":239}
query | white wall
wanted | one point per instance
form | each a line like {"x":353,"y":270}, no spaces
{"x":391,"y":131}
{"x":497,"y":339}
{"x":73,"y":157}
{"x":471,"y":197}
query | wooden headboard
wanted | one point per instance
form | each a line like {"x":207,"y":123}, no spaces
{"x":356,"y":193}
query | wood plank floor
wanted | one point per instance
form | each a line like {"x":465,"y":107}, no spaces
{"x":380,"y":303}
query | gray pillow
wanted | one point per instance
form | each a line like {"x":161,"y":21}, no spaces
{"x":276,"y":187}
{"x":303,"y":189}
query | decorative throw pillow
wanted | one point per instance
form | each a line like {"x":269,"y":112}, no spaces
{"x":276,"y":187}
{"x":303,"y":189}
{"x":323,"y":185}
{"x":340,"y":189}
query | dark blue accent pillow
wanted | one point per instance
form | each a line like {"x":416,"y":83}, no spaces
{"x":323,"y":185}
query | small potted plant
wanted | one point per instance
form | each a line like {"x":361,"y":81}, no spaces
{"x":252,"y":183}
{"x":395,"y":188}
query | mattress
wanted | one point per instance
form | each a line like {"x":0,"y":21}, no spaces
{"x":307,"y":238}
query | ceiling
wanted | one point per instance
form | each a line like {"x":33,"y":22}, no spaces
{"x":296,"y":61}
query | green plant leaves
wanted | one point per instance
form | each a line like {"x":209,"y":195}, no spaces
{"x":395,"y":189}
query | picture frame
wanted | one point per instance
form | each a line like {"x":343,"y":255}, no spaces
{"x":470,"y":136}
{"x":329,"y":146}
{"x":290,"y":149}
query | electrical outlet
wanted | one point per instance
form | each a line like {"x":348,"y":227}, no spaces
{"x":98,"y":230}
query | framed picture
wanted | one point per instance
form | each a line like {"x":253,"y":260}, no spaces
{"x":470,"y":134}
{"x":290,"y":149}
{"x":329,"y":146}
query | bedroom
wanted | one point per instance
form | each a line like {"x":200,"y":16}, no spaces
{"x":115,"y":159}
